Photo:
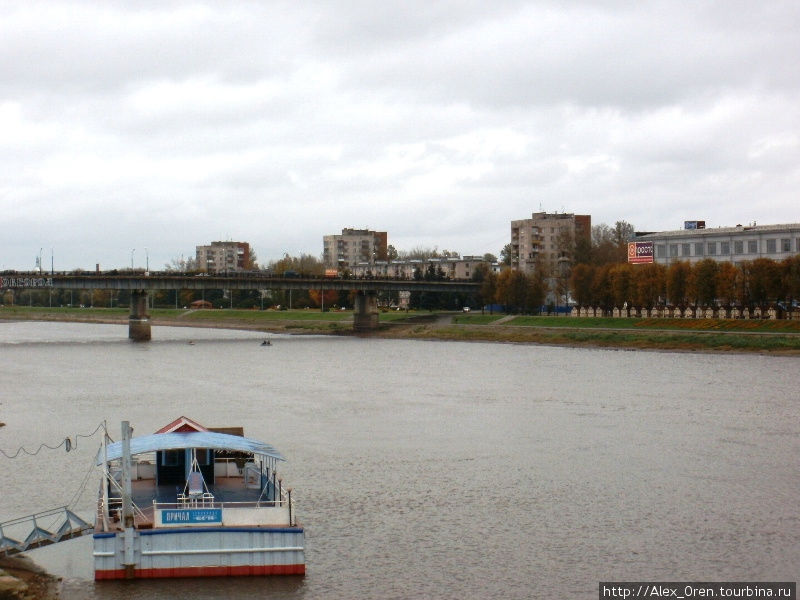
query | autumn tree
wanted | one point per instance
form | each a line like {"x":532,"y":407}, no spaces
{"x":620,"y":281}
{"x":512,"y":287}
{"x":702,"y":282}
{"x":536,"y":291}
{"x":790,"y":272}
{"x":329,"y":297}
{"x":181,"y":265}
{"x":764,"y":281}
{"x":423,"y":253}
{"x":678,"y":274}
{"x":484,"y":275}
{"x":252,"y":260}
{"x":599,"y":286}
{"x":505,"y":254}
{"x":649,"y":284}
{"x":728,"y":280}
{"x":580,"y":282}
{"x":305,"y":264}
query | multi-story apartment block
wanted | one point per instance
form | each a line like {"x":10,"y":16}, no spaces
{"x":724,"y":244}
{"x":546,"y":238}
{"x":222,"y":257}
{"x":352,"y":247}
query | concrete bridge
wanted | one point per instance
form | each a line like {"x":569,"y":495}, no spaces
{"x":365,"y":311}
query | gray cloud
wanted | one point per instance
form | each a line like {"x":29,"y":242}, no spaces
{"x":169,"y":124}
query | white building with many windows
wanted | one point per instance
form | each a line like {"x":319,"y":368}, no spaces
{"x":725,"y":244}
{"x":451,"y":268}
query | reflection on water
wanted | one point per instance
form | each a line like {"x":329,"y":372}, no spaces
{"x":430,"y":469}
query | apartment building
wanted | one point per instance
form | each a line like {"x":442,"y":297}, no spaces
{"x":223,"y":257}
{"x":352,"y":247}
{"x":546,"y":237}
{"x":724,"y":244}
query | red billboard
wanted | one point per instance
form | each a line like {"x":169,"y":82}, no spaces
{"x":640,"y":252}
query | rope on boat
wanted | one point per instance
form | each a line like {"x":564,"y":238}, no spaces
{"x":67,"y":443}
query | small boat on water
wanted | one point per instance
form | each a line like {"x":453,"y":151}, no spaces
{"x":192,"y":501}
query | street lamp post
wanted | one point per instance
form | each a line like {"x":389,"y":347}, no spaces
{"x":132,"y":251}
{"x":147,"y":260}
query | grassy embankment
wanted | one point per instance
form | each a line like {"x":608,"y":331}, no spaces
{"x":708,"y":335}
{"x":663,"y":334}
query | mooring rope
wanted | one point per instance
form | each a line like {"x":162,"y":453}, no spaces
{"x":67,"y":443}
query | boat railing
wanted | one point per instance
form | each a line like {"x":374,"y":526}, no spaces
{"x":204,"y":500}
{"x":115,"y":510}
{"x":212,"y":503}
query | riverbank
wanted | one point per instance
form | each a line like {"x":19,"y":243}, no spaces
{"x":703,"y":335}
{"x":21,"y":579}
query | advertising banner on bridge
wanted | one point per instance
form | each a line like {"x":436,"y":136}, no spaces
{"x":640,"y":252}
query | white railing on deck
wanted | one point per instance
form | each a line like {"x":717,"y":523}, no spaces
{"x":216,"y":504}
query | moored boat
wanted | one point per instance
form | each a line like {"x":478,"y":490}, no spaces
{"x":189,"y":501}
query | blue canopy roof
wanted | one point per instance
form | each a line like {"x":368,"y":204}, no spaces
{"x":180,"y":441}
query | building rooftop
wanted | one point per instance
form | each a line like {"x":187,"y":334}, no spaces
{"x":721,"y":231}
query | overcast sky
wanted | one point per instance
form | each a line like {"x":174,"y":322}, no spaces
{"x":163,"y":125}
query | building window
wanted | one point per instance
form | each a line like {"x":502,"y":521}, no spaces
{"x":771,"y":246}
{"x":673,"y":250}
{"x":725,"y":248}
{"x":752,"y":246}
{"x":738,"y":247}
{"x":786,"y":245}
{"x":686,"y":249}
{"x":712,"y":248}
{"x":699,"y":249}
{"x":660,"y":251}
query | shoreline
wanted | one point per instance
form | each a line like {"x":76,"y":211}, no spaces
{"x":21,"y":578}
{"x":441,"y":328}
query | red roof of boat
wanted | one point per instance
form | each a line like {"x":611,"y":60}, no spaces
{"x":182,"y":425}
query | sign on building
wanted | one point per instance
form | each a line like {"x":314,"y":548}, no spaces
{"x":640,"y":252}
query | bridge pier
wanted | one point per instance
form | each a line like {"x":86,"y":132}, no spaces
{"x":139,"y":319}
{"x":365,"y":311}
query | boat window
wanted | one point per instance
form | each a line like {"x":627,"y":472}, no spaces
{"x":170,"y":458}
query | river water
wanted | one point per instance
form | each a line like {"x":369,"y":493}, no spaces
{"x":434,"y":469}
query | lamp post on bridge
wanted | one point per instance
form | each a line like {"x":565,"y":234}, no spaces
{"x":132,"y":251}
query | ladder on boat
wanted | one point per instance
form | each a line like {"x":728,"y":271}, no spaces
{"x":65,"y":525}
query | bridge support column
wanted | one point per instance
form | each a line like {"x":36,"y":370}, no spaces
{"x":139,"y":319}
{"x":365,"y":311}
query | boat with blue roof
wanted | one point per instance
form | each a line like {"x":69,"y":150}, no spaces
{"x":193,"y":501}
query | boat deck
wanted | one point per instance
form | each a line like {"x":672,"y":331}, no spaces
{"x":145,"y":491}
{"x":224,"y":489}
